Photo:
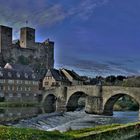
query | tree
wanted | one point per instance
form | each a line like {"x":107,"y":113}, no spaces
{"x":120,"y":78}
{"x":110,"y":79}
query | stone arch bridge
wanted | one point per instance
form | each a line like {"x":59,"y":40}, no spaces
{"x":99,"y":99}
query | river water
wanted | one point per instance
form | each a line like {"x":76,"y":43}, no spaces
{"x":35,"y":117}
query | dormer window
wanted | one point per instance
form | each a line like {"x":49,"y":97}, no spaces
{"x":18,"y":75}
{"x":26,"y":75}
{"x":1,"y":74}
{"x":33,"y":76}
{"x":9,"y":74}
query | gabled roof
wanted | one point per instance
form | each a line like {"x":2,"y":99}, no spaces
{"x":18,"y":67}
{"x":57,"y":75}
{"x":73,"y":74}
{"x":8,"y":72}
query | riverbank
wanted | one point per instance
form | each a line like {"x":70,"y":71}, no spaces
{"x":107,"y":132}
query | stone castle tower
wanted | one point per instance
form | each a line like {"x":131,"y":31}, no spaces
{"x":5,"y":37}
{"x":27,"y":37}
{"x":25,"y":51}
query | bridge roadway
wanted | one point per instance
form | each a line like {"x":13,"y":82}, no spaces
{"x":99,"y":99}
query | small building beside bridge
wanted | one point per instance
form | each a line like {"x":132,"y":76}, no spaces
{"x":55,"y":78}
{"x":62,"y":77}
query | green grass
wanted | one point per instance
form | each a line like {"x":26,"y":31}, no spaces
{"x":105,"y":132}
{"x":9,"y":133}
{"x":94,"y":129}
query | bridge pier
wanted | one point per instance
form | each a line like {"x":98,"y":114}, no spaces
{"x":94,"y":105}
{"x":61,"y":100}
{"x":60,"y":105}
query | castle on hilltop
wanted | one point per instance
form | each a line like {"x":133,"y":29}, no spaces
{"x":25,"y":51}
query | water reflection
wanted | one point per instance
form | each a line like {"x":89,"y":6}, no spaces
{"x":126,"y":116}
{"x":8,"y":114}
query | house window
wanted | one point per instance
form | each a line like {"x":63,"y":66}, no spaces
{"x":46,"y":83}
{"x":26,"y":82}
{"x":33,"y":76}
{"x":26,"y":75}
{"x":35,"y":83}
{"x":19,"y":95}
{"x":53,"y":83}
{"x":9,"y":88}
{"x":10,"y":81}
{"x":29,"y":89}
{"x":1,"y":94}
{"x":13,"y":88}
{"x":57,"y":84}
{"x":10,"y":95}
{"x":1,"y":74}
{"x":18,"y":75}
{"x":2,"y":81}
{"x":1,"y":87}
{"x":9,"y":74}
{"x":17,"y":88}
{"x":19,"y":81}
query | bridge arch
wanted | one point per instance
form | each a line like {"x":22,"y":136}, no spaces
{"x":112,"y":99}
{"x":49,"y":102}
{"x":72,"y":102}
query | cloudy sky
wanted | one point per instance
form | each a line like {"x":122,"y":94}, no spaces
{"x":93,"y":37}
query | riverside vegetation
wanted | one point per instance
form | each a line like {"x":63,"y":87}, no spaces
{"x":107,"y":132}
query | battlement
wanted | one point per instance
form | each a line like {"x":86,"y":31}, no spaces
{"x":25,"y":50}
{"x":27,"y":37}
{"x":5,"y":37}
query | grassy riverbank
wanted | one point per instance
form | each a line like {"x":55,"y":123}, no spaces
{"x":108,"y":132}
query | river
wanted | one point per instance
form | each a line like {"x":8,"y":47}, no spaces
{"x":35,"y":117}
